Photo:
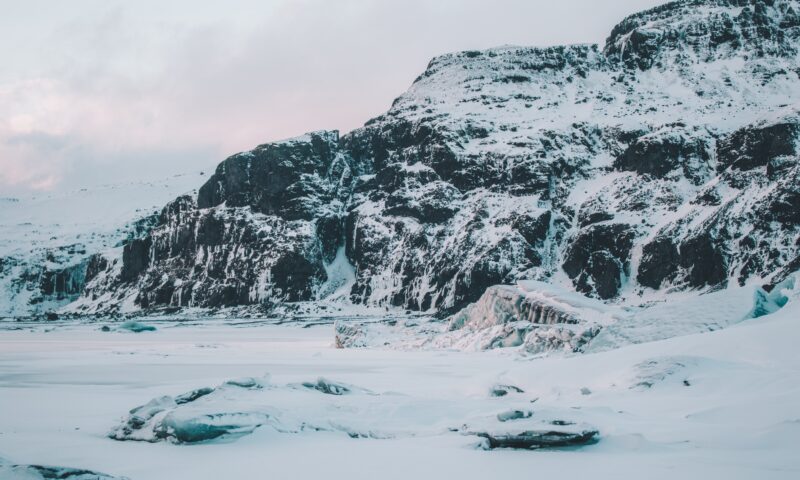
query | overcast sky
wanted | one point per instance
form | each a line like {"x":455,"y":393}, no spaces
{"x":103,"y":91}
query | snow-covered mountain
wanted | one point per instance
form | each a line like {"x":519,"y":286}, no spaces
{"x":664,"y":161}
{"x":47,"y":240}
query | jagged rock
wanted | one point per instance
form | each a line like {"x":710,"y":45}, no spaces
{"x":532,"y":439}
{"x":135,"y":258}
{"x":660,"y":260}
{"x":750,"y":147}
{"x":598,"y":259}
{"x":698,"y":261}
{"x":270,"y":178}
{"x":677,"y":33}
{"x":97,"y":263}
{"x":348,"y":335}
{"x":664,"y":151}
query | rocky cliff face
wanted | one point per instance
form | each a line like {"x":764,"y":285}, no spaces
{"x":666,"y":160}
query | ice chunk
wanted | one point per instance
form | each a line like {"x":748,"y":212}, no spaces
{"x":349,"y":335}
{"x":510,"y":415}
{"x":503,"y":390}
{"x":568,"y":338}
{"x":178,"y":429}
{"x":140,"y":416}
{"x":328,"y":387}
{"x":538,"y":316}
{"x":193,"y":395}
{"x":137,"y":327}
{"x":246,"y":382}
{"x":43,"y":472}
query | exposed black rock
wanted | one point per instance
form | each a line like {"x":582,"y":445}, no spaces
{"x":699,"y":261}
{"x":135,"y":258}
{"x":598,"y":258}
{"x":97,"y":264}
{"x":676,"y":33}
{"x":669,"y":149}
{"x":270,"y":177}
{"x":532,"y":440}
{"x":660,"y":260}
{"x":750,"y":148}
{"x":705,"y":259}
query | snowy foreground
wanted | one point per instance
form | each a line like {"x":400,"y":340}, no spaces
{"x":723,"y":404}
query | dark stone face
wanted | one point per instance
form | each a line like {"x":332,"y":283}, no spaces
{"x":135,"y":258}
{"x":273,"y":178}
{"x":598,"y":257}
{"x":331,"y":233}
{"x":634,"y":43}
{"x":785,"y":206}
{"x":659,"y":156}
{"x":533,"y":229}
{"x":659,"y":262}
{"x":751,"y":148}
{"x":63,"y":283}
{"x":706,"y":259}
{"x":97,"y":263}
{"x":433,"y":203}
{"x":293,"y":276}
{"x":698,"y":262}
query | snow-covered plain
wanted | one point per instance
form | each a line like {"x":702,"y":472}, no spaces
{"x":722,"y":404}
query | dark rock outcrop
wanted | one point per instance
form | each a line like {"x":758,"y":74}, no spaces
{"x":750,"y":148}
{"x":599,"y":257}
{"x":664,"y":151}
{"x":284,"y":179}
{"x":531,"y":440}
{"x":698,"y":262}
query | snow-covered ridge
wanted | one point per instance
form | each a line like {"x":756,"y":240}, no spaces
{"x":46,"y":240}
{"x":665,"y":162}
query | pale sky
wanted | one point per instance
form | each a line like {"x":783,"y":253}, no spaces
{"x":106,"y":91}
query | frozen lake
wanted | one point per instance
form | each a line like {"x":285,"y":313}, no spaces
{"x":703,"y":406}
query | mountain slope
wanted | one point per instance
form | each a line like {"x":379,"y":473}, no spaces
{"x":47,"y":240}
{"x":665,"y":161}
